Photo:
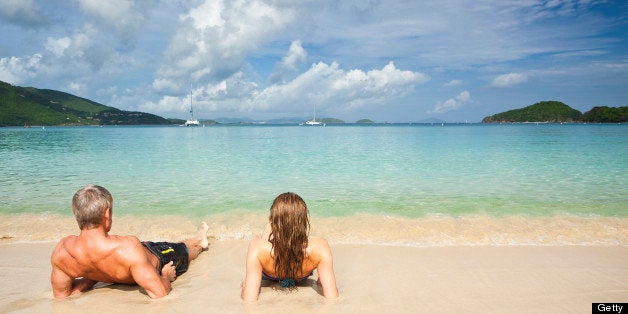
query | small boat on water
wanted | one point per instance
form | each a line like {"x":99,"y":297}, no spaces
{"x":191,"y":121}
{"x":313,"y":122}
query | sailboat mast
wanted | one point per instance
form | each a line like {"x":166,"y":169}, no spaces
{"x":191,"y":111}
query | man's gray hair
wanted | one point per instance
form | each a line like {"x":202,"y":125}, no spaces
{"x":89,"y":205}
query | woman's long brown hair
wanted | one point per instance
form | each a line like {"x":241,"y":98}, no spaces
{"x":289,"y":234}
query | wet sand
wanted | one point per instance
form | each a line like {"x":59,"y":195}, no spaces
{"x":371,"y":279}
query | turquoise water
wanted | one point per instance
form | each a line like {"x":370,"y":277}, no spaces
{"x":397,"y":170}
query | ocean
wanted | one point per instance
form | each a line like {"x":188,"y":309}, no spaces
{"x":397,"y":174}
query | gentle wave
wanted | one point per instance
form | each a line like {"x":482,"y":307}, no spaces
{"x":355,"y":229}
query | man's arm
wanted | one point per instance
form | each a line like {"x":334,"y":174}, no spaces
{"x":145,"y":274}
{"x":62,"y":284}
{"x":253,"y":278}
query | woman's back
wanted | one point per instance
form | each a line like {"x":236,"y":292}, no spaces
{"x":286,"y":253}
{"x":310,"y":262}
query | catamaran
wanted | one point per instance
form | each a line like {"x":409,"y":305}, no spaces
{"x":191,"y":121}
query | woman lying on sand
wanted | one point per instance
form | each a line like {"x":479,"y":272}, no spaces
{"x":285,"y":253}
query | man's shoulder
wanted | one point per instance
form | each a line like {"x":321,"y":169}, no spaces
{"x":128,"y":245}
{"x":127,"y":239}
{"x":60,"y":249}
{"x":67,"y":239}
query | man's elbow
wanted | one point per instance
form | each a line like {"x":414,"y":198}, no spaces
{"x":60,"y":294}
{"x":158,"y":294}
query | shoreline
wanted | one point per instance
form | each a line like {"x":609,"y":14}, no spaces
{"x":371,"y":279}
{"x":364,"y":229}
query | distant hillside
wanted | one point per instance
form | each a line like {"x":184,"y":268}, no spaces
{"x":606,"y":115}
{"x":21,"y":106}
{"x":331,"y":121}
{"x":365,"y":121}
{"x":545,"y":111}
{"x":556,"y":111}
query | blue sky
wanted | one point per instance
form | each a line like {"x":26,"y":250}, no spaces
{"x":390,"y":61}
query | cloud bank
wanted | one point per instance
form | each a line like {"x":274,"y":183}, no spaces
{"x":325,"y":85}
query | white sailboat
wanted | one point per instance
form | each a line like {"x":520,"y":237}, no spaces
{"x":313,"y":121}
{"x":191,"y":121}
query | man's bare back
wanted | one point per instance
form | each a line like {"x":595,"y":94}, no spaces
{"x":79,"y":262}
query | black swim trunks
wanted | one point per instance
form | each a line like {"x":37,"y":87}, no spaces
{"x":167,"y":251}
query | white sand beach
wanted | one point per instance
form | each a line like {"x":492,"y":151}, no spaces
{"x":470,"y":264}
{"x":371,"y":279}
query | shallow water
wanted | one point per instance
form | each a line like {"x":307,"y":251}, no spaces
{"x":419,"y":185}
{"x":408,"y":171}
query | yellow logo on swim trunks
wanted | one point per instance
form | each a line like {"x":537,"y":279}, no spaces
{"x":167,"y":251}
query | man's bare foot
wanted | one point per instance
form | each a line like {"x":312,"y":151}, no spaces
{"x":203,"y":234}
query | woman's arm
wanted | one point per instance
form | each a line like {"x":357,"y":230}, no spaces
{"x":253,"y":278}
{"x":325,"y":268}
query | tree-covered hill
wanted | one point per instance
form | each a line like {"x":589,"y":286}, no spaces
{"x":22,"y":106}
{"x":556,"y":111}
{"x":332,"y":121}
{"x":365,"y":121}
{"x":606,"y":115}
{"x":545,"y":111}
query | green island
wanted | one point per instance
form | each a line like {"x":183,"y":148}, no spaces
{"x":331,"y":121}
{"x":365,"y":121}
{"x":27,"y":106}
{"x":558,"y":112}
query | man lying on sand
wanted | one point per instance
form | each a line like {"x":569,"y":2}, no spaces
{"x":80,"y":262}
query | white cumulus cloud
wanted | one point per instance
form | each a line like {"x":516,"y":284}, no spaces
{"x":331,"y":87}
{"x":296,"y":55}
{"x":58,"y":46}
{"x":452,"y":103}
{"x":76,"y":87}
{"x":326,"y":85}
{"x":508,"y":80}
{"x":453,"y":83}
{"x":15,"y":70}
{"x":214,"y":39}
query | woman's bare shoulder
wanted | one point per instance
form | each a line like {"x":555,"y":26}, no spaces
{"x":257,"y":245}
{"x":255,"y":242}
{"x":318,"y":246}
{"x":317,"y":241}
